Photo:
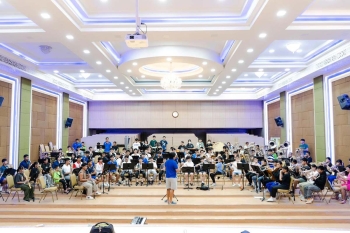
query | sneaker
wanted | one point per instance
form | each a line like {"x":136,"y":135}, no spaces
{"x":166,"y":201}
{"x":173,"y":203}
{"x":213,"y":184}
{"x":271,"y":199}
{"x":234,"y":185}
{"x":302,"y":198}
{"x":202,"y":184}
{"x":89,"y":198}
{"x":97,"y":193}
{"x":309,"y":201}
{"x":26,"y":200}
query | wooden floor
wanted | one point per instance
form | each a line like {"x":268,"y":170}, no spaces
{"x":224,"y":205}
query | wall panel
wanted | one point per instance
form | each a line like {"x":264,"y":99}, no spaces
{"x":5,"y":119}
{"x":44,"y":122}
{"x":273,"y":111}
{"x":76,"y":111}
{"x":302,"y":109}
{"x":341,"y":120}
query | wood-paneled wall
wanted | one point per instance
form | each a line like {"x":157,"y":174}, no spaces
{"x":76,"y":112}
{"x":273,"y":111}
{"x":341,"y":121}
{"x":5,"y":120}
{"x":44,"y":122}
{"x":302,"y":107}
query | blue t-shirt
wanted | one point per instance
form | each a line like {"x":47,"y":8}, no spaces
{"x":304,"y":146}
{"x":55,"y":164}
{"x":116,"y":164}
{"x":194,"y":155}
{"x":219,"y":167}
{"x":25,"y":164}
{"x":3,"y":168}
{"x":163,"y":144}
{"x":145,"y":160}
{"x":108,"y":146}
{"x":170,"y":168}
{"x":76,"y":145}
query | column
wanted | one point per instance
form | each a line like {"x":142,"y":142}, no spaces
{"x":24,"y":119}
{"x":65,"y":115}
{"x":319,"y":114}
{"x":283,"y":115}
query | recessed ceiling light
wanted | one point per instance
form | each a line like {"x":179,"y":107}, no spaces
{"x":250,"y":50}
{"x":104,"y":0}
{"x":228,"y":76}
{"x":134,"y":63}
{"x":82,"y":71}
{"x":240,"y":61}
{"x":127,"y":87}
{"x":98,"y":63}
{"x":223,"y":82}
{"x":299,"y":50}
{"x":234,"y":70}
{"x":100,"y":76}
{"x":287,"y":69}
{"x":212,"y":70}
{"x":142,"y":76}
{"x":220,"y":86}
{"x":115,"y":77}
{"x":262,"y":35}
{"x":246,"y":75}
{"x":69,"y":37}
{"x":271,"y":51}
{"x":55,"y":71}
{"x":259,"y":74}
{"x":130,"y":90}
{"x":293,"y":47}
{"x":121,"y":83}
{"x":281,"y":13}
{"x":200,"y":76}
{"x":162,"y":0}
{"x":217,"y":90}
{"x":204,"y":63}
{"x":129,"y":71}
{"x":260,"y":70}
{"x":133,"y":93}
{"x":169,"y":59}
{"x":45,"y":15}
{"x":214,"y":93}
{"x":108,"y":71}
{"x":86,"y":51}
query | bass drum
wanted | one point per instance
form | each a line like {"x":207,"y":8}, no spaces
{"x":218,"y":146}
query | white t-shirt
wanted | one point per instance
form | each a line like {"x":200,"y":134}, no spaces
{"x":99,"y":168}
{"x":234,"y":166}
{"x":136,"y":145}
{"x":66,"y":169}
{"x":189,"y":164}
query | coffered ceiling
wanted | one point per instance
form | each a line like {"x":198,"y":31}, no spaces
{"x":221,"y":49}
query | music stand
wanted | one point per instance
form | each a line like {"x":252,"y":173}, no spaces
{"x":148,"y":166}
{"x":243,"y":167}
{"x":159,"y":162}
{"x":54,"y":154}
{"x":196,"y":161}
{"x":96,"y":153}
{"x":181,"y":155}
{"x":188,"y":170}
{"x":207,"y":167}
{"x":135,"y":158}
{"x":108,"y":168}
{"x":128,"y":166}
{"x":259,"y":158}
{"x":69,"y":154}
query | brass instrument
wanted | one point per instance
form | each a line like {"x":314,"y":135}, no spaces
{"x":27,"y":180}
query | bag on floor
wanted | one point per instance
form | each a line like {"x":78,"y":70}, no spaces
{"x":102,"y":227}
{"x":204,"y":187}
{"x":100,"y":185}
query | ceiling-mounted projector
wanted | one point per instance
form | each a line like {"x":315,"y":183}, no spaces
{"x":136,"y":41}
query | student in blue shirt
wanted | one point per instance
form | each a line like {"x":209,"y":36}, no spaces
{"x":171,"y":169}
{"x":76,"y":144}
{"x":108,"y":145}
{"x":163,"y":143}
{"x":85,"y":157}
{"x":219,"y":171}
{"x":303,"y":146}
{"x":145,"y":159}
{"x":25,"y":163}
{"x":113,"y":161}
{"x":56,"y":163}
{"x":194,"y":155}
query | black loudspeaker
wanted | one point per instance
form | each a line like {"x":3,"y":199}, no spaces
{"x":69,"y":122}
{"x":279,"y":121}
{"x":1,"y":100}
{"x":344,"y":102}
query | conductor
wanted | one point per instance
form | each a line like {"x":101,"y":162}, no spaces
{"x":171,"y":169}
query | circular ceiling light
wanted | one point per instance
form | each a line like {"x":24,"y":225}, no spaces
{"x":134,"y":63}
{"x":240,"y":61}
{"x":82,"y":71}
{"x":228,"y":76}
{"x":45,"y":15}
{"x":130,"y":90}
{"x":129,"y":71}
{"x":142,"y":76}
{"x":108,"y":71}
{"x":262,"y":35}
{"x":115,"y":77}
{"x":271,"y":51}
{"x":234,"y":70}
{"x":170,"y":82}
{"x":223,"y":82}
{"x":69,"y":37}
{"x":250,"y":50}
{"x":121,"y":83}
{"x":287,"y":69}
{"x":200,"y":76}
{"x":98,"y":63}
{"x":133,"y":93}
{"x":212,"y":70}
{"x":214,"y":93}
{"x":86,"y":51}
{"x":55,"y":71}
{"x":220,"y":86}
{"x":169,"y":59}
{"x":127,"y":87}
{"x":260,"y":70}
{"x":281,"y":13}
{"x":204,"y":63}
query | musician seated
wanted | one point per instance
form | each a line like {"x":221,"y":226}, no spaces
{"x":113,"y":174}
{"x":99,"y":166}
{"x":309,"y":177}
{"x":270,"y":158}
{"x":161,"y":171}
{"x":85,"y":157}
{"x":338,"y":164}
{"x":252,"y":173}
{"x":284,"y":182}
{"x":78,"y":163}
{"x":194,"y":155}
{"x":3,"y":181}
{"x":275,"y":174}
{"x":105,"y":159}
{"x":199,"y":169}
{"x":26,"y":162}
{"x":91,"y":169}
{"x":129,"y":171}
{"x":236,"y":173}
{"x":79,"y":152}
{"x":345,"y":185}
{"x":303,"y":167}
{"x":23,"y":183}
{"x":308,"y":156}
{"x":189,"y":144}
{"x":219,"y":171}
{"x":158,"y":155}
{"x":257,"y":179}
{"x":182,"y":147}
{"x":188,"y":163}
{"x":317,"y":186}
{"x":152,"y":171}
{"x":58,"y":178}
{"x":138,"y":172}
{"x":87,"y":182}
{"x":200,"y":144}
{"x":34,"y":172}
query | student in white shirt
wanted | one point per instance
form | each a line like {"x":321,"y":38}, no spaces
{"x":136,"y":144}
{"x":188,"y":163}
{"x":99,"y":166}
{"x":67,"y":171}
{"x":126,"y":161}
{"x":246,"y":146}
{"x":152,"y":171}
{"x":236,"y":172}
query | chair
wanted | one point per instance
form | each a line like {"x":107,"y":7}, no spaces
{"x":41,"y":150}
{"x":47,"y":150}
{"x":285,"y":192}
{"x":46,"y":190}
{"x":11,"y":187}
{"x":77,"y":188}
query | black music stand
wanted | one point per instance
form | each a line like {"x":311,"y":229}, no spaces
{"x":188,"y":170}
{"x":207,"y":167}
{"x":69,"y":154}
{"x":108,"y":168}
{"x":159,"y":162}
{"x":128,"y":166}
{"x":135,"y":158}
{"x":258,"y":171}
{"x":147,"y":167}
{"x":96,"y":153}
{"x":243,"y":167}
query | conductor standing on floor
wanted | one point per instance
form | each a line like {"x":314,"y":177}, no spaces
{"x":171,"y":169}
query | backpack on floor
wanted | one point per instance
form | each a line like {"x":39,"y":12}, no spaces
{"x":204,"y":187}
{"x":102,"y":227}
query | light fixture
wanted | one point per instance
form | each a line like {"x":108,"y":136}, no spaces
{"x":287,"y":69}
{"x":85,"y":75}
{"x":115,"y":77}
{"x":212,"y":70}
{"x":86,"y":51}
{"x":281,"y":13}
{"x":82,"y":71}
{"x":133,"y":93}
{"x":220,"y":86}
{"x":104,"y":0}
{"x":262,"y":35}
{"x":204,"y":63}
{"x":98,"y":63}
{"x":69,"y":37}
{"x":234,"y":70}
{"x":45,"y":15}
{"x":240,"y":61}
{"x":250,"y":50}
{"x":170,"y":81}
{"x":228,"y":76}
{"x":214,"y":93}
{"x":245,"y":75}
{"x":293,"y":47}
{"x":130,"y":90}
{"x":129,"y":71}
{"x":108,"y":71}
{"x":142,"y":76}
{"x":261,"y":70}
{"x":223,"y":82}
{"x":100,"y":76}
{"x":217,"y":90}
{"x":121,"y":83}
{"x":200,"y":76}
{"x":259,"y":74}
{"x":127,"y":87}
{"x":169,"y":59}
{"x":134,"y":63}
{"x":299,"y":50}
{"x":55,"y":71}
{"x":271,"y":51}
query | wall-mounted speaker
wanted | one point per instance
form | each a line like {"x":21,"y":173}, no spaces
{"x":69,"y":122}
{"x":279,"y":121}
{"x":344,"y":102}
{"x":1,"y":100}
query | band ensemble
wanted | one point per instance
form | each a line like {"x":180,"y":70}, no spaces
{"x":103,"y":166}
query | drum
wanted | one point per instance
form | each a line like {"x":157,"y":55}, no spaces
{"x":218,"y":146}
